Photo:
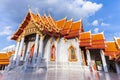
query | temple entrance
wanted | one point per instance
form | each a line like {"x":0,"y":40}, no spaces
{"x":72,"y":54}
{"x":52,"y":53}
{"x":31,"y":52}
{"x":110,"y":64}
{"x":84,"y":57}
{"x":96,"y":59}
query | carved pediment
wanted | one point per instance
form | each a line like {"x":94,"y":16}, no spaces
{"x":31,"y":28}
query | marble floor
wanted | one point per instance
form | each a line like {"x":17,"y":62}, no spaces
{"x":60,"y":74}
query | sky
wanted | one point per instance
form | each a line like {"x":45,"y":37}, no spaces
{"x":97,"y":16}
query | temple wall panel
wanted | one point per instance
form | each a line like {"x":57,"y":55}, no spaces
{"x":46,"y":50}
{"x":62,"y":51}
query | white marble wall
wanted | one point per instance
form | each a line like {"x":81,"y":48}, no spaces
{"x":47,"y":50}
{"x":62,"y":49}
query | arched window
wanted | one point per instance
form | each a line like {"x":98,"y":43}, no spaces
{"x":52,"y":53}
{"x":72,"y":53}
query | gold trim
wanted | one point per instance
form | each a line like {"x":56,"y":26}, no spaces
{"x":72,"y":54}
{"x":76,"y":39}
{"x":57,"y":39}
{"x":65,"y":40}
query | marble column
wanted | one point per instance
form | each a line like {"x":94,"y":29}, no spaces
{"x":16,"y":51}
{"x":23,"y":52}
{"x":27,"y":52}
{"x":56,"y":53}
{"x":35,"y":49}
{"x":20,"y":51}
{"x":117,"y":68}
{"x":79,"y":55}
{"x":40,"y":52}
{"x":48,"y":52}
{"x":88,"y":57}
{"x":103,"y":61}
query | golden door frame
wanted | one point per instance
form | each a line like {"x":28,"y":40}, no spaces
{"x":52,"y":53}
{"x":72,"y":54}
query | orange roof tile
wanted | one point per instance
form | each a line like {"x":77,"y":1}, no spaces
{"x":60,"y":23}
{"x":117,"y":40}
{"x":76,"y":26}
{"x":112,"y":51}
{"x":66,"y":27}
{"x":85,"y":35}
{"x":74,"y":30}
{"x":98,"y":41}
{"x":4,"y":57}
{"x":97,"y":37}
{"x":85,"y":39}
{"x":111,"y":46}
{"x":4,"y":63}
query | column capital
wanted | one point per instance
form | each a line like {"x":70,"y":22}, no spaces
{"x":65,"y":39}
{"x":18,"y":39}
{"x":42,"y":36}
{"x":57,"y":39}
{"x":76,"y":38}
{"x":50,"y":39}
{"x":39,"y":33}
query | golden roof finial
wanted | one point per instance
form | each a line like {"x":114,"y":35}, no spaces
{"x":37,"y":10}
{"x":29,"y":10}
{"x":49,"y":13}
{"x":81,"y":20}
{"x":29,"y":7}
{"x":71,"y":19}
{"x":45,"y":15}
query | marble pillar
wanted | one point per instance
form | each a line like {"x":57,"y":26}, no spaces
{"x":35,"y":49}
{"x":20,"y":51}
{"x":103,"y":61}
{"x":23,"y":52}
{"x":56,"y":53}
{"x":79,"y":55}
{"x":16,"y":51}
{"x":117,"y":68}
{"x":40,"y":52}
{"x":27,"y":52}
{"x":88,"y":57}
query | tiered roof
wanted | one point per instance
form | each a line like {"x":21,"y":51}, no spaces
{"x":46,"y":24}
{"x":4,"y":57}
{"x":85,"y":39}
{"x":117,"y":40}
{"x":75,"y":29}
{"x":98,"y":41}
{"x":113,"y":49}
{"x":92,"y":41}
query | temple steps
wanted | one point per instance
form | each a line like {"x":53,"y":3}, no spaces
{"x":67,"y":65}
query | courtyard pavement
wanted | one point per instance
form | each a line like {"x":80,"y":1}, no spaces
{"x":60,"y":74}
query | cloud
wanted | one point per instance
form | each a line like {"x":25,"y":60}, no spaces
{"x":117,"y":34}
{"x":95,"y":23}
{"x":105,"y":24}
{"x":98,"y":23}
{"x":8,"y":37}
{"x":11,"y":47}
{"x":96,"y":30}
{"x":6,"y":31}
{"x":72,"y":8}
